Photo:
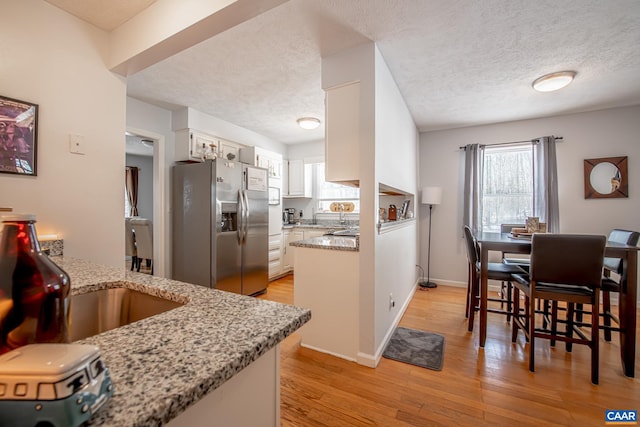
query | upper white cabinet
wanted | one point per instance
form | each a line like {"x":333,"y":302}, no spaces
{"x":342,"y":146}
{"x":195,"y":145}
{"x":299,"y":179}
{"x":262,"y":158}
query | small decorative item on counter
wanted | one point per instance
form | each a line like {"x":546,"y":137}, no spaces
{"x":60,"y":385}
{"x":533,"y":224}
{"x":34,"y":291}
{"x":393,"y":213}
{"x":382,"y":215}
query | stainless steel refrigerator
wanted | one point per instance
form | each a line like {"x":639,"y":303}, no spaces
{"x":220,"y":225}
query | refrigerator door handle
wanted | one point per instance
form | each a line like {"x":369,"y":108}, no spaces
{"x":240,"y":217}
{"x":246,"y":214}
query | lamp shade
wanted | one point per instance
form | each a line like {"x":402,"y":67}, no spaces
{"x":431,"y":195}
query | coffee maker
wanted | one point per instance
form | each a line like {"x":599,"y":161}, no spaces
{"x":288,"y":215}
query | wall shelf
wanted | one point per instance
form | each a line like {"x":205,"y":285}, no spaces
{"x":385,"y":227}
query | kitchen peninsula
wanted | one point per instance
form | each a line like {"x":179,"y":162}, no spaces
{"x":326,"y":281}
{"x":203,"y":363}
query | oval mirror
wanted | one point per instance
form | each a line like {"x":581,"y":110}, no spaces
{"x":605,"y":178}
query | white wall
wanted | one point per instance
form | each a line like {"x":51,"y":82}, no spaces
{"x":605,"y":133}
{"x":396,"y":143}
{"x":55,"y":60}
{"x":388,"y":144}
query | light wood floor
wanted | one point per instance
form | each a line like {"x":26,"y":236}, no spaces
{"x":490,"y":386}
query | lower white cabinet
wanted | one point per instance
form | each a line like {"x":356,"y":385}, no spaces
{"x":275,"y":255}
{"x":288,"y":251}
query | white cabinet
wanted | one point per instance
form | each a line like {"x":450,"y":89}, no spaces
{"x":299,"y":179}
{"x":275,"y":255}
{"x":191,"y":144}
{"x":289,"y":236}
{"x":262,"y":158}
{"x":342,"y":145}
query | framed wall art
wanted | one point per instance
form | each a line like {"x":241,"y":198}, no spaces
{"x":18,"y":136}
{"x":606,"y":178}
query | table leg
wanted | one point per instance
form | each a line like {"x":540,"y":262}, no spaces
{"x":627,"y":307}
{"x":484,"y":262}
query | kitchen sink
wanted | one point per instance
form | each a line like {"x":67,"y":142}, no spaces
{"x":95,"y":312}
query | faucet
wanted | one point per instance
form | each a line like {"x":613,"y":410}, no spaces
{"x":341,"y":210}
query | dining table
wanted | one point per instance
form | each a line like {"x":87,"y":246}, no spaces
{"x":627,"y":303}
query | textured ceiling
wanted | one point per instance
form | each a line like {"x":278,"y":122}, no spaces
{"x":457,"y":62}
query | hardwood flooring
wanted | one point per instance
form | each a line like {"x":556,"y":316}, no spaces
{"x":490,"y":386}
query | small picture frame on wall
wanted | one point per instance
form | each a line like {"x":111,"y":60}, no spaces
{"x":18,"y":136}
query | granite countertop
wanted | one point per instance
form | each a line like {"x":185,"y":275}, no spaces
{"x":163,"y":364}
{"x":337,"y":243}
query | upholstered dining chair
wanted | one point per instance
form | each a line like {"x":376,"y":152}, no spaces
{"x":612,"y":284}
{"x":130,"y":243}
{"x":143,"y":229}
{"x":496,"y":271}
{"x":564,"y":268}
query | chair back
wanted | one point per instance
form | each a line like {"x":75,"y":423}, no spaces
{"x":620,"y":236}
{"x":506,"y":228}
{"x":570,"y":259}
{"x":471,"y":245}
{"x":143,"y":228}
{"x":129,"y":239}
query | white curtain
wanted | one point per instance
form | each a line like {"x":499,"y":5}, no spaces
{"x":472,"y":209}
{"x":545,"y":183}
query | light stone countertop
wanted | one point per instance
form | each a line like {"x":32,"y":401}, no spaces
{"x":163,"y":364}
{"x":336,"y":243}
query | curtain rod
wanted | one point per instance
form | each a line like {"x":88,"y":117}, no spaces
{"x":512,"y":142}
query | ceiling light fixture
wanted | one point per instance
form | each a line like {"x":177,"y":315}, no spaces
{"x":308,"y":123}
{"x":553,"y":81}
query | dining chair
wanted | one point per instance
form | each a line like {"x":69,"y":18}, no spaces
{"x":612,"y":284}
{"x":143,"y":229}
{"x":564,"y":268}
{"x":495,"y":270}
{"x":613,"y":280}
{"x":130,"y":243}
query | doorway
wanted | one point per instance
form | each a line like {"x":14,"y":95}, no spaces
{"x":146,"y":150}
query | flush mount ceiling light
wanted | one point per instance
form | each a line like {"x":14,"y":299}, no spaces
{"x":553,"y":81}
{"x":308,"y":123}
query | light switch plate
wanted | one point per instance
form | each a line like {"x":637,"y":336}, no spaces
{"x":76,"y":144}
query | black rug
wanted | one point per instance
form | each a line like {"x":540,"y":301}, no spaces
{"x":420,"y":348}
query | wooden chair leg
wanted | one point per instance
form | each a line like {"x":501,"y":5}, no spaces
{"x":509,"y":300}
{"x":531,"y":315}
{"x":569,"y":332}
{"x":606,"y":311}
{"x":466,"y":309}
{"x":595,"y":340}
{"x":473,"y":301}
{"x":515,"y":314}
{"x":554,"y":321}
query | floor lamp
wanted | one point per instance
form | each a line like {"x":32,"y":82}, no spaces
{"x":430,"y":196}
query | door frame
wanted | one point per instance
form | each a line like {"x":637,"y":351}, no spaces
{"x":160,"y":208}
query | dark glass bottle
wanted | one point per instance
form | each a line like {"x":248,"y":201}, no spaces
{"x":34,"y":291}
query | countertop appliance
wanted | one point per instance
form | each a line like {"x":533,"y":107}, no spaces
{"x":220,"y":225}
{"x":288,"y":216}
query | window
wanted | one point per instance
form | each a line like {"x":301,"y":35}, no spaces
{"x":329,"y":192}
{"x":507,"y":186}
